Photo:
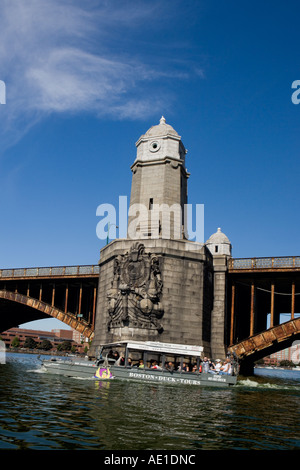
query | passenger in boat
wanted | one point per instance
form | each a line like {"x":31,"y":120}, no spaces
{"x":116,"y":355}
{"x":215,"y":368}
{"x":196,"y":369}
{"x":154,"y":365}
{"x":184,"y":368}
{"x":205,"y":365}
{"x":120,"y":361}
{"x":113,"y":355}
{"x":211,"y":366}
{"x":141,"y":364}
{"x":226,"y":368}
{"x":218,"y":366}
{"x":169,"y":366}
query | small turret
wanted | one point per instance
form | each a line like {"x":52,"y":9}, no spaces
{"x":219,"y":244}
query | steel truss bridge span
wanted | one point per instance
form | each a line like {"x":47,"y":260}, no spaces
{"x":68,"y":293}
{"x":260,"y":291}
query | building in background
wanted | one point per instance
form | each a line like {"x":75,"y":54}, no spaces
{"x":55,"y":337}
{"x":291,"y":354}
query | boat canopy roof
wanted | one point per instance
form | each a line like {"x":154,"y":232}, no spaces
{"x":155,"y":346}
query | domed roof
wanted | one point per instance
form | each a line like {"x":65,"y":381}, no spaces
{"x":218,"y":238}
{"x":161,"y":129}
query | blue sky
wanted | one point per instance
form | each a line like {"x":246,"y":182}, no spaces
{"x":84,"y":80}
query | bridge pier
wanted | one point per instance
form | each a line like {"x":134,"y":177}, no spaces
{"x":154,"y":290}
{"x":218,"y":320}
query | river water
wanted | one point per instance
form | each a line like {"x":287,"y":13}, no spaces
{"x":47,"y":412}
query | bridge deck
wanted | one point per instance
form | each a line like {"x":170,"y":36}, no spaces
{"x":281,"y":263}
{"x":47,"y":272}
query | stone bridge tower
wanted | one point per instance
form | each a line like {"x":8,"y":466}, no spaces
{"x":159,"y":184}
{"x":156,"y":285}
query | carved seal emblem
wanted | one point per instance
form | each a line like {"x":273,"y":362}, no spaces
{"x":134,"y":298}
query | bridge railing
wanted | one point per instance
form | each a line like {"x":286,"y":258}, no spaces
{"x":280,"y":262}
{"x":84,"y":270}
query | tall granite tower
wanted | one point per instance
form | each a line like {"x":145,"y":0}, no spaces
{"x":159,"y":184}
{"x":156,"y":285}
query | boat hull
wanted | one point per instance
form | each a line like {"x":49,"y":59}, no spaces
{"x":82,"y":370}
{"x":175,"y":378}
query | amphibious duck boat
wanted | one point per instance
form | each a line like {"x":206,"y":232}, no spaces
{"x":148,"y":361}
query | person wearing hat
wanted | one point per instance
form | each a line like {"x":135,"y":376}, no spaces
{"x":215,"y":367}
{"x":218,"y":365}
{"x":226,"y":368}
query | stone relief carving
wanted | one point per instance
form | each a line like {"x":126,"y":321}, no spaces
{"x":136,"y":289}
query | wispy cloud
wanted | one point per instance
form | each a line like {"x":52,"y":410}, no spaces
{"x":67,"y":57}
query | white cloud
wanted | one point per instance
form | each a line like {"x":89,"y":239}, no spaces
{"x":67,"y":57}
{"x":70,"y":79}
